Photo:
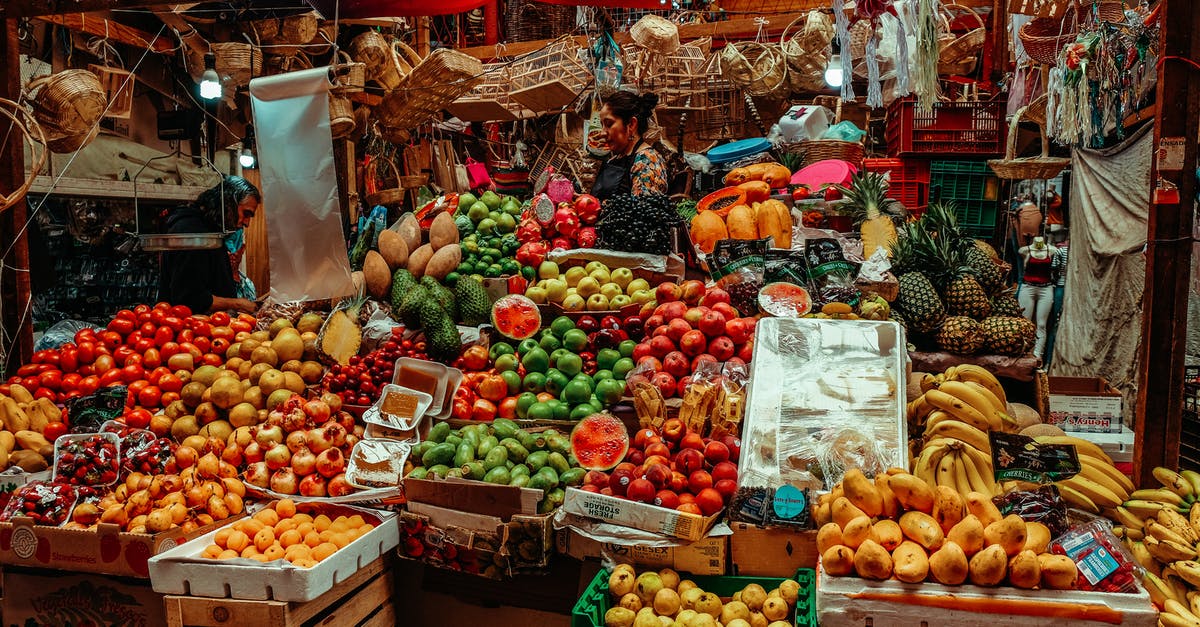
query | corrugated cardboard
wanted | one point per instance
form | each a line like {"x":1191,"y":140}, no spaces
{"x":105,"y":550}
{"x":476,"y":543}
{"x":638,"y":515}
{"x":770,"y":552}
{"x":1085,"y":404}
{"x":41,"y":597}
{"x":475,"y":497}
{"x":707,"y":556}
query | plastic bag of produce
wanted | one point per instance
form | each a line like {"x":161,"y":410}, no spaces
{"x":89,"y":413}
{"x":60,"y":333}
{"x":739,"y":267}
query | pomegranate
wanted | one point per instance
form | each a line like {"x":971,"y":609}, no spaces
{"x":284,"y":481}
{"x":694,"y":314}
{"x":665,"y":383}
{"x":677,"y":328}
{"x":351,"y":440}
{"x":660,"y":346}
{"x":339,"y":486}
{"x":693,"y":343}
{"x":692,"y":291}
{"x":712,"y":323}
{"x":304,"y":461}
{"x":313,"y":485}
{"x":257,"y":474}
{"x":333,"y":400}
{"x":278,"y":456}
{"x":714,"y":296}
{"x":667,"y":292}
{"x":721,"y":348}
{"x":295,"y":420}
{"x":331,"y":462}
{"x":297,"y":440}
{"x":318,"y":411}
{"x":345,"y":419}
{"x":268,"y":436}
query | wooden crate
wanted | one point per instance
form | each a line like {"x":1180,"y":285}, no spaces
{"x":363,"y":600}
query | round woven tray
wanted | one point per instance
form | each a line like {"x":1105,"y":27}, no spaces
{"x":964,"y":46}
{"x":815,"y":150}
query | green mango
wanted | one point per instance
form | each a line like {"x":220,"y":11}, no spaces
{"x":558,"y":444}
{"x":499,"y":476}
{"x":557,"y":496}
{"x":516,"y":451}
{"x":453,"y":439}
{"x":495,"y":458}
{"x":464,"y":453}
{"x":419,"y":450}
{"x":550,"y":474}
{"x":439,"y":432}
{"x":537,"y":460}
{"x":558,"y":462}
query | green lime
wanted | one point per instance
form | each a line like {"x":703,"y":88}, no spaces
{"x":500,"y":348}
{"x":550,"y":344}
{"x":626,"y":348}
{"x":492,"y":271}
{"x":610,"y":391}
{"x":561,"y":325}
{"x":536,"y":360}
{"x":556,"y":381}
{"x":506,"y":363}
{"x":606,"y":358}
{"x":526,"y":345}
{"x":576,"y":392}
{"x":513,"y":379}
{"x":540,"y":411}
{"x":582,"y":411}
{"x":525,"y":401}
{"x":623,"y":366}
{"x":575,"y":340}
{"x":534,"y":382}
{"x":570,"y":364}
{"x":528,"y":272}
{"x":602,"y":375}
{"x":562,"y":411}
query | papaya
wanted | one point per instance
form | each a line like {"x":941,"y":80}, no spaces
{"x":737,"y":176}
{"x":771,"y":223}
{"x":741,"y":223}
{"x":721,"y":201}
{"x":756,"y":191}
{"x":707,"y":229}
{"x":776,"y":176}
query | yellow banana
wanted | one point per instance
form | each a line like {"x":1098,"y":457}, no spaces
{"x":1091,"y":473}
{"x":1178,"y":523}
{"x":958,"y":408}
{"x":1175,"y":482}
{"x":962,"y":468}
{"x":981,"y":465}
{"x":958,"y":430}
{"x":1175,"y":609}
{"x":930,"y":382}
{"x":975,"y":399}
{"x":980,"y":375}
{"x":1143,"y":508}
{"x":1194,"y":517}
{"x":927,"y":462}
{"x":1083,"y":447}
{"x":1117,"y":476}
{"x":1164,"y":533}
{"x":1193,"y":599}
{"x":1193,"y":478}
{"x":1078,"y":499}
{"x":937,"y":416}
{"x":1167,"y":551}
{"x":1179,"y":587}
{"x":1143,"y":557}
{"x":1161,"y":495}
{"x":1100,"y":495}
{"x":988,"y":395}
{"x":1189,"y":571}
{"x":1158,"y":589}
{"x":1127,"y":518}
{"x":946,"y":471}
{"x":1127,"y":533}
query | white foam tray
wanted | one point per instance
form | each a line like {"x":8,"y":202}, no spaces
{"x":182,"y":571}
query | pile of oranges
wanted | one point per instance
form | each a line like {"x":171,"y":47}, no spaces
{"x":279,"y":532}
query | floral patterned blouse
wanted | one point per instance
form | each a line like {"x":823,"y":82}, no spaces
{"x":649,"y":172}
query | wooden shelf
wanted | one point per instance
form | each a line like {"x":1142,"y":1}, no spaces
{"x":114,"y":189}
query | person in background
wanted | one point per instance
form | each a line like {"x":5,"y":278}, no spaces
{"x":1036,"y":293}
{"x":633,"y":166}
{"x":1058,"y":273}
{"x":208,"y":280}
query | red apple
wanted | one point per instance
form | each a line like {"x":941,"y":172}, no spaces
{"x":699,"y":480}
{"x":712,"y":323}
{"x":726,"y":488}
{"x":676,"y":364}
{"x":738,"y":330}
{"x":692,"y":291}
{"x":679,"y":482}
{"x":724,"y":470}
{"x":676,"y":328}
{"x":726,"y":310}
{"x":693,"y":343}
{"x":694,"y":314}
{"x":703,"y":358}
{"x":666,"y":292}
{"x":681,"y":386}
{"x":661,"y":345}
{"x":643,"y":438}
{"x":652,"y":323}
{"x":665,"y":384}
{"x":619,"y":481}
{"x":641,"y":350}
{"x":673,"y":429}
{"x":635,"y":457}
{"x":714,"y":296}
{"x":659,"y":475}
{"x":734,"y":444}
{"x":721,"y":348}
{"x":746,"y":352}
{"x":709,"y":501}
{"x":597,"y":478}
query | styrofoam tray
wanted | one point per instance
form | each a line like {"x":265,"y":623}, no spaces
{"x":182,"y":571}
{"x":840,"y":604}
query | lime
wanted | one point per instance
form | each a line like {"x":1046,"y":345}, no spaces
{"x":570,"y":364}
{"x":623,"y":366}
{"x":626,"y":348}
{"x":556,"y":381}
{"x":506,"y":363}
{"x":500,"y":348}
{"x":575,"y":340}
{"x":526,"y":345}
{"x":576,"y":392}
{"x":525,"y":401}
{"x":550,"y":343}
{"x":601,"y":375}
{"x":540,"y":411}
{"x":513,"y":379}
{"x":561,"y":325}
{"x":582,"y":411}
{"x":536,"y":360}
{"x":562,"y":411}
{"x":528,"y":272}
{"x":610,"y":391}
{"x":534,"y":382}
{"x":606,"y":358}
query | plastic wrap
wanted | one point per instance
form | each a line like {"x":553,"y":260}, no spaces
{"x":824,"y":395}
{"x":60,"y":333}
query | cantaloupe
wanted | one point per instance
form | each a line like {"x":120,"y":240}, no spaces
{"x":1039,"y":430}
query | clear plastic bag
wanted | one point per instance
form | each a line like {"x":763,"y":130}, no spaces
{"x":61,"y":333}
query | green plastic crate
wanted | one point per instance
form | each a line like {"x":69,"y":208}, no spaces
{"x":974,"y":190}
{"x":590,"y":608}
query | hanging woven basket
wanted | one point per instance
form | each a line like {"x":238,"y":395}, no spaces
{"x":759,"y":69}
{"x":341,"y":116}
{"x":805,"y":45}
{"x":68,"y":103}
{"x":1028,"y":168}
{"x":31,"y":135}
{"x":958,"y":55}
{"x":1044,"y":37}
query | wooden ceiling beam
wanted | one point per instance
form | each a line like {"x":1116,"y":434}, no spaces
{"x":116,"y":31}
{"x":10,"y":9}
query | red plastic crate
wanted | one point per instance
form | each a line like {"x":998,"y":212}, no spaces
{"x":951,"y":129}
{"x":908,"y":182}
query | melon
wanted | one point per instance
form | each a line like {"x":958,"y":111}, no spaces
{"x":516,"y":317}
{"x":599,"y":442}
{"x":784,"y":300}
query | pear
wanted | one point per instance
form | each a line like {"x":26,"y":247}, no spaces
{"x":618,"y":617}
{"x":648,"y":585}
{"x":620,"y":583}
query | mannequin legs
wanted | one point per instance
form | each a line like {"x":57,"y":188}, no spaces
{"x":1036,"y":303}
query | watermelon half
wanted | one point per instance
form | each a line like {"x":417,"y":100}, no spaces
{"x":516,"y":317}
{"x":599,"y":442}
{"x":784,"y":300}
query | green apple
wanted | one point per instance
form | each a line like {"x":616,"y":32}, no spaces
{"x":556,"y":290}
{"x":642,"y":297}
{"x":637,"y":285}
{"x":620,"y":301}
{"x":587,"y":287}
{"x":597,"y":302}
{"x":600,"y":275}
{"x":609,"y":290}
{"x":593,"y":266}
{"x":536,"y":294}
{"x":548,"y":270}
{"x":622,"y":277}
{"x":574,"y":302}
{"x":575,"y":275}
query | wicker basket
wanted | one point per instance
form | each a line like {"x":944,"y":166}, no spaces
{"x":341,"y":116}
{"x":525,"y":20}
{"x":954,"y":54}
{"x":436,"y":82}
{"x":551,"y":78}
{"x":814,"y":150}
{"x":351,"y":75}
{"x":722,"y":106}
{"x":1044,"y":37}
{"x":656,"y":34}
{"x":392,"y":196}
{"x":489,"y":100}
{"x":70,"y":102}
{"x":236,"y":63}
{"x":759,"y":69}
{"x":1112,"y":11}
{"x":403,"y":59}
{"x":71,"y":143}
{"x":294,"y":33}
{"x":1027,"y":168}
{"x":805,"y":45}
{"x":372,"y":50}
{"x":31,"y":133}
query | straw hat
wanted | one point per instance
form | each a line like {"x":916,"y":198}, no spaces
{"x":656,"y":33}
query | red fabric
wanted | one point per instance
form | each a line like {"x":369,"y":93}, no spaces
{"x":363,"y":9}
{"x":613,"y":4}
{"x":1037,"y":271}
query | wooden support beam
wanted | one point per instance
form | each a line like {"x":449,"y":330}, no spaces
{"x":1169,"y":245}
{"x":16,"y":314}
{"x":35,"y":8}
{"x":116,"y":31}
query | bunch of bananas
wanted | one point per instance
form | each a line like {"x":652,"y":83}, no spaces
{"x":1164,"y":541}
{"x":1098,"y":487}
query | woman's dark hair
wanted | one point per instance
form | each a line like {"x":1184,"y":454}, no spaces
{"x":227,"y":195}
{"x":629,"y":106}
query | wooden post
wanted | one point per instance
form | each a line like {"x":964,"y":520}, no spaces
{"x":491,"y":23}
{"x":422,"y":43}
{"x":1169,"y":245}
{"x":16,"y":314}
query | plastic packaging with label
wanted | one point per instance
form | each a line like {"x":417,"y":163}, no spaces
{"x":1104,"y":563}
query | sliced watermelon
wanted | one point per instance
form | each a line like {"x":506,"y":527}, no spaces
{"x":516,"y":317}
{"x":599,"y":442}
{"x":785,"y":300}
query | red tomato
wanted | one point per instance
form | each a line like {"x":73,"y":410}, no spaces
{"x":202,"y":343}
{"x":149,"y":396}
{"x":46,"y":393}
{"x":224,"y":333}
{"x":51,"y":379}
{"x":188,"y":347}
{"x":110,"y":339}
{"x":493,"y":388}
{"x":173,"y":323}
{"x":38,"y":357}
{"x":203,"y":329}
{"x":124,"y":326}
{"x":163,"y":305}
{"x":156,"y":375}
{"x":142,"y":308}
{"x":31,"y":383}
{"x":163,"y":335}
{"x":508,"y":408}
{"x":90,"y":384}
{"x":126,"y":314}
{"x":86,"y":352}
{"x":71,"y":381}
{"x":133,"y":372}
{"x":112,"y":377}
{"x":169,"y":397}
{"x":143,"y":345}
{"x":220,"y":319}
{"x":248,"y":319}
{"x":138,"y":386}
{"x":122,"y":353}
{"x":238,"y":326}
{"x":220,"y":345}
{"x":181,"y":311}
{"x":152,"y":358}
{"x":168,"y":349}
{"x":53,"y":430}
{"x":103,"y":364}
{"x":168,"y":383}
{"x":186,"y":335}
{"x":69,"y":359}
{"x":85,"y":335}
{"x":148,"y":329}
{"x":157,"y":316}
{"x":29,"y":370}
{"x":483,"y":409}
{"x":214,"y":360}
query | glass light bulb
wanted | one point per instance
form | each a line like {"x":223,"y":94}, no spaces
{"x":833,"y":72}
{"x":210,"y":85}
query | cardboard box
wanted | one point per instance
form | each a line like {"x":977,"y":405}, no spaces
{"x":770,"y":552}
{"x":707,"y":556}
{"x":105,"y":550}
{"x":476,"y":543}
{"x":42,"y":597}
{"x":474,"y":497}
{"x":638,"y":515}
{"x":1085,"y":404}
{"x":182,"y":571}
{"x":891,"y":603}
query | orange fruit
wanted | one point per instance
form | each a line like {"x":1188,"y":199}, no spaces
{"x":264,"y":538}
{"x":324,"y":550}
{"x":312,"y":539}
{"x":237,"y":541}
{"x":290,"y":537}
{"x":267,"y":517}
{"x":228,"y":554}
{"x":286,"y":508}
{"x":322,"y":522}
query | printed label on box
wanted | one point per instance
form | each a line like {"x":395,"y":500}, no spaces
{"x":1099,"y":414}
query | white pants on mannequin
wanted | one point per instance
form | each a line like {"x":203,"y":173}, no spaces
{"x":1036,"y":303}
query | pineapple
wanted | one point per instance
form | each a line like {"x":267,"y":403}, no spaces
{"x":873,"y":213}
{"x":964,"y":296}
{"x":1008,"y":335}
{"x":960,"y":335}
{"x":989,"y":272}
{"x":920,"y":303}
{"x":1005,"y":303}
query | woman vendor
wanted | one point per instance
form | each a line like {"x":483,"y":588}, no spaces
{"x":633,"y":166}
{"x":208,"y":280}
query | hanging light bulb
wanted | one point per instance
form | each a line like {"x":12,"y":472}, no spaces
{"x":247,"y":158}
{"x":833,"y":72}
{"x":210,"y":83}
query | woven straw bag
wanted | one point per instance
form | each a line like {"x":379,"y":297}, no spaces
{"x":656,"y":34}
{"x":68,"y":103}
{"x":805,"y":45}
{"x":759,"y":69}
